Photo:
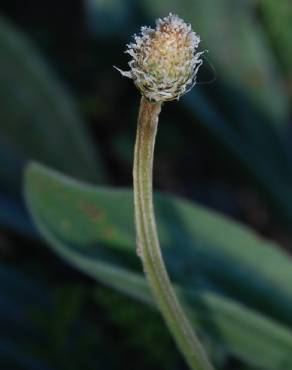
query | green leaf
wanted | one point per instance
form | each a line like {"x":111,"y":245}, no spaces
{"x":278,"y":19}
{"x":92,"y":229}
{"x":267,"y":167}
{"x":38,"y":118}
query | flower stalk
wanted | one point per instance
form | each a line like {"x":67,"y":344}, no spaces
{"x":164,"y":66}
{"x":148,"y":247}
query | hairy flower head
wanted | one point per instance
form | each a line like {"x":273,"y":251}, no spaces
{"x":165,"y":60}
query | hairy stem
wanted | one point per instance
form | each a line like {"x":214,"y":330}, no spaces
{"x":148,"y":244}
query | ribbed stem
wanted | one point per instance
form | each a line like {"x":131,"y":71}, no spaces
{"x":148,"y":244}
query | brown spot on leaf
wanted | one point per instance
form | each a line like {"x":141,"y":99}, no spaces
{"x":65,"y":195}
{"x":255,"y":78}
{"x":91,"y":211}
{"x":109,"y":233}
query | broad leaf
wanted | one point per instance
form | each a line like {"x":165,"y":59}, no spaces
{"x":207,"y":255}
{"x":278,"y":19}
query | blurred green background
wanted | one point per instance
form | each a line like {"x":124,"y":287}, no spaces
{"x":72,"y":293}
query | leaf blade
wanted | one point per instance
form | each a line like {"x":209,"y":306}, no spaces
{"x":240,"y":330}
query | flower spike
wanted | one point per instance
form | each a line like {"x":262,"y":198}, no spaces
{"x":165,"y":60}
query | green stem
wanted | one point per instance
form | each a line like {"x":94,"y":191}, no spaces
{"x":148,"y":244}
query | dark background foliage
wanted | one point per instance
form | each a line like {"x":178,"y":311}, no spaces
{"x":226,"y":146}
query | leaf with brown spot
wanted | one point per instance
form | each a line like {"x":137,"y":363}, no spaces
{"x":237,"y":285}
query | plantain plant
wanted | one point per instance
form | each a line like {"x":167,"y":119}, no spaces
{"x":164,"y":66}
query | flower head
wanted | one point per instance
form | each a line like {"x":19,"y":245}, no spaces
{"x":165,"y":60}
